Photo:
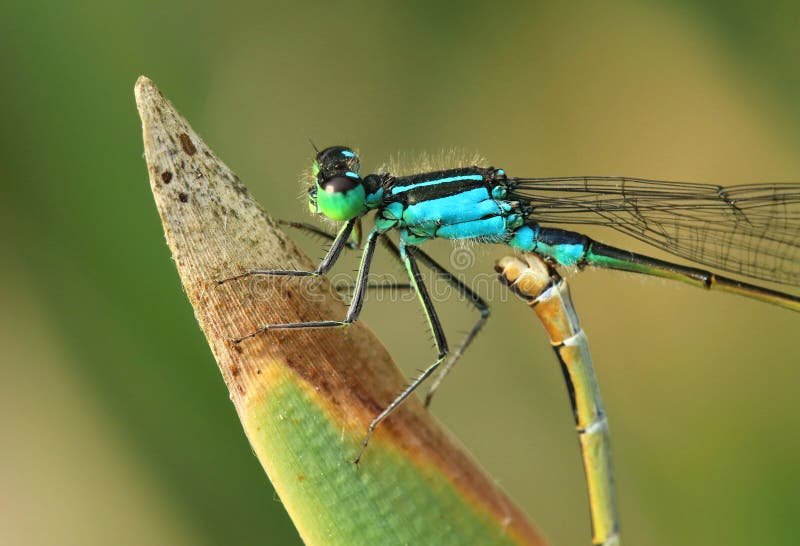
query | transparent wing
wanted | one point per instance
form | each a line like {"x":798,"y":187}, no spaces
{"x":751,"y":230}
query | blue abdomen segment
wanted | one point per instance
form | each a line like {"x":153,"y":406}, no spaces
{"x":563,"y":253}
{"x":525,"y":238}
{"x":563,"y":247}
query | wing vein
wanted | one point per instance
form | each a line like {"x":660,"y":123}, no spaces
{"x":751,"y":229}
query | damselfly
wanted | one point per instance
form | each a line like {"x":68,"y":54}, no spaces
{"x":749,"y":230}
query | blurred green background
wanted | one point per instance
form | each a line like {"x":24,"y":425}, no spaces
{"x":117,"y":428}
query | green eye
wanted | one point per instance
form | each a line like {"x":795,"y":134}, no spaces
{"x":342,"y":198}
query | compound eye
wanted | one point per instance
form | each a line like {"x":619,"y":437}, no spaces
{"x":339,"y":184}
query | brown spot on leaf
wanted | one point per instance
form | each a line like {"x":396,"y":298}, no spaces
{"x":183,"y":197}
{"x":301,"y":477}
{"x":187,"y":144}
{"x":166,"y":176}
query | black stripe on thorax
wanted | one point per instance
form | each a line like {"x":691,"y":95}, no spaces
{"x":423,"y":186}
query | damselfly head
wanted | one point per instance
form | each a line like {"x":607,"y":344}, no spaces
{"x":335,"y":160}
{"x":338,"y":191}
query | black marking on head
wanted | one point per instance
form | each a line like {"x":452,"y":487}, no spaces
{"x":339,"y":184}
{"x":336,"y":161}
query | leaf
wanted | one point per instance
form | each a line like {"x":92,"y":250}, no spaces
{"x":305,"y":397}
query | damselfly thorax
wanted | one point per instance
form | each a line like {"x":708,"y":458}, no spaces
{"x":751,"y":231}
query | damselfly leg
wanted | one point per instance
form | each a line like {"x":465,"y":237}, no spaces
{"x":407,"y":256}
{"x":463,"y":291}
{"x":351,"y":244}
{"x":333,"y":254}
{"x":339,"y":243}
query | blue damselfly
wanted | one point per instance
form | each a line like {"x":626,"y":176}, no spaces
{"x":750,"y":230}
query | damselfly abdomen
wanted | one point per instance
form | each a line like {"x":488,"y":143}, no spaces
{"x":752,"y":231}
